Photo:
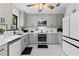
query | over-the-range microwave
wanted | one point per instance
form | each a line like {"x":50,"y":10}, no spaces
{"x":42,"y":23}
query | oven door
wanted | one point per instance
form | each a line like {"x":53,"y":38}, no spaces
{"x":42,"y":38}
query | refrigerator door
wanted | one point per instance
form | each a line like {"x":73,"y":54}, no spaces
{"x":74,"y":25}
{"x":66,"y":26}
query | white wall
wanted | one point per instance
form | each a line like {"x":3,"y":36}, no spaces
{"x":71,"y":7}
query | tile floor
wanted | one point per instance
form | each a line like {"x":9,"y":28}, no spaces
{"x":52,"y":50}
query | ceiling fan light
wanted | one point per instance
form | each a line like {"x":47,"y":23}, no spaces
{"x":41,"y":6}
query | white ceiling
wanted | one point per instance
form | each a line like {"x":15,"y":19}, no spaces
{"x":32,"y":10}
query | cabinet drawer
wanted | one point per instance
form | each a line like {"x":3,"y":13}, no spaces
{"x":3,"y":48}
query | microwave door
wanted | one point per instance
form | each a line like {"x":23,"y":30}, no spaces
{"x":41,"y":23}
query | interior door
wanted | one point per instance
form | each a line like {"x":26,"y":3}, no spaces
{"x":66,"y":26}
{"x":74,"y":25}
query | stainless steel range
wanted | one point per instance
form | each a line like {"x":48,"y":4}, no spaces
{"x":42,"y":38}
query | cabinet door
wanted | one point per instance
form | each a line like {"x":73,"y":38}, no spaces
{"x":15,"y":48}
{"x":3,"y":54}
{"x":66,"y":25}
{"x":3,"y":50}
{"x":33,"y":38}
{"x":28,"y":20}
{"x":49,"y":38}
{"x":52,"y":38}
{"x":24,"y":42}
{"x":74,"y":28}
{"x":27,"y":41}
{"x":6,"y":12}
{"x":56,"y":37}
{"x":34,"y":20}
{"x":31,"y":20}
{"x":59,"y":20}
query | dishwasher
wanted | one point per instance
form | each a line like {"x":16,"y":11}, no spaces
{"x":14,"y":47}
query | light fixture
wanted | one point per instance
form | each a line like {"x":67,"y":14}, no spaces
{"x":44,"y":5}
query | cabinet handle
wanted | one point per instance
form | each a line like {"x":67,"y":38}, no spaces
{"x":1,"y":50}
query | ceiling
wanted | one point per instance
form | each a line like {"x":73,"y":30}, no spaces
{"x":31,"y":10}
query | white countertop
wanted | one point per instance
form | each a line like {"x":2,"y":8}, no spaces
{"x":4,"y":39}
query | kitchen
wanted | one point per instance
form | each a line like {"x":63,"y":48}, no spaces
{"x":41,"y":29}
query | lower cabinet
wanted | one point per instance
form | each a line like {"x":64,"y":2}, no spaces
{"x":15,"y":47}
{"x":52,"y":38}
{"x":33,"y":38}
{"x":24,"y":42}
{"x":3,"y":50}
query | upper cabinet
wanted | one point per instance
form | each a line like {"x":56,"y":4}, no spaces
{"x":31,"y":20}
{"x":59,"y":18}
{"x":53,"y":20}
{"x":6,"y":12}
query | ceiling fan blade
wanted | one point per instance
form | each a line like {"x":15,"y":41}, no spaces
{"x":58,"y":4}
{"x":50,"y":6}
{"x":30,"y":5}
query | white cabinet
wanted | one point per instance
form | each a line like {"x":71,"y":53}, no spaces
{"x":6,"y":12}
{"x":21,"y":17}
{"x":74,"y":28}
{"x":15,"y":47}
{"x":51,"y":20}
{"x":52,"y":38}
{"x":31,"y":20}
{"x":24,"y":42}
{"x":34,"y":20}
{"x":59,"y":20}
{"x":33,"y":38}
{"x":3,"y":50}
{"x":66,"y":25}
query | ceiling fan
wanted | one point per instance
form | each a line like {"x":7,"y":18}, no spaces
{"x":43,"y":6}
